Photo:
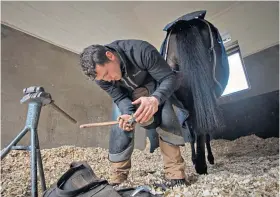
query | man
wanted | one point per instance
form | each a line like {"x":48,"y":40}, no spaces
{"x":141,"y":83}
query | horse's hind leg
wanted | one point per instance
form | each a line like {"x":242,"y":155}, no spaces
{"x":200,"y":162}
{"x":210,"y":156}
{"x":192,"y":144}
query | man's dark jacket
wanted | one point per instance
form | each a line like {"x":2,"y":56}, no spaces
{"x":142,"y":66}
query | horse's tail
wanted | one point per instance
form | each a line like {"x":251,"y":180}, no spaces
{"x":194,"y":62}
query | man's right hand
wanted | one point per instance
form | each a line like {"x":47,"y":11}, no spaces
{"x":123,"y":122}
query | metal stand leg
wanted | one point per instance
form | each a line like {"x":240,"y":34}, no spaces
{"x":13,"y":143}
{"x":33,"y":114}
{"x":34,"y":188}
{"x":40,"y":165}
{"x":36,"y":98}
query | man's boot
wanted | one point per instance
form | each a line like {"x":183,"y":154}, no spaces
{"x":174,"y":164}
{"x":119,"y":172}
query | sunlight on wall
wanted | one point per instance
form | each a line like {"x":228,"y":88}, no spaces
{"x":237,"y":78}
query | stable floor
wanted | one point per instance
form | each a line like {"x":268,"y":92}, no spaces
{"x":248,"y":166}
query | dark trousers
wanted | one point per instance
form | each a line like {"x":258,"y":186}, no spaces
{"x":168,"y":128}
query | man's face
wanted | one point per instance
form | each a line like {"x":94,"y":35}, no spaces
{"x":110,"y":71}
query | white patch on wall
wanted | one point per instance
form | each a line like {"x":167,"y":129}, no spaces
{"x":237,"y":75}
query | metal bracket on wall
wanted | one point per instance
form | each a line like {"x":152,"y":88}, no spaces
{"x":36,"y":97}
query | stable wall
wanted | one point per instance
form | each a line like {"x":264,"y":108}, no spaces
{"x":256,"y":110}
{"x":27,"y":61}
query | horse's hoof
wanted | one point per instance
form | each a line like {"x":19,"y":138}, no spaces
{"x":211,"y":159}
{"x":201,"y":168}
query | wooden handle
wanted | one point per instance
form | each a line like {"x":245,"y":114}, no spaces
{"x":99,"y":124}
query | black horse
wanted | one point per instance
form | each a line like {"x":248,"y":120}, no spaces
{"x":194,"y":49}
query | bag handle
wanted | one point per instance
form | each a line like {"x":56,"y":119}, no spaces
{"x":72,"y":193}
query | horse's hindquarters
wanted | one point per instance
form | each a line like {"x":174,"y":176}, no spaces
{"x":216,"y":52}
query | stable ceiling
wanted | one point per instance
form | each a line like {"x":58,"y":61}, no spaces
{"x":75,"y":25}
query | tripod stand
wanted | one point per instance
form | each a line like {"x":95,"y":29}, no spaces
{"x":36,"y":97}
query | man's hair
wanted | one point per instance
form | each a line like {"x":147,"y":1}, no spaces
{"x":92,"y":55}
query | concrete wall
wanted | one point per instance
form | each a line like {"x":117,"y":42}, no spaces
{"x":257,"y":115}
{"x":27,"y":61}
{"x":256,"y":110}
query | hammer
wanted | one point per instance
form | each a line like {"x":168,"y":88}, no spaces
{"x":131,"y":121}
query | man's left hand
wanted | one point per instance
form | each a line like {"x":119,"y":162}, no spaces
{"x":148,"y":107}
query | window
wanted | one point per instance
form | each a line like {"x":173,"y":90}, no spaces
{"x":237,"y":73}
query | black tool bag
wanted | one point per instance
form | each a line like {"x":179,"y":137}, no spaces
{"x":81,"y":181}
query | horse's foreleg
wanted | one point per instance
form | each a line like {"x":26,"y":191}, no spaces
{"x":200,"y":162}
{"x":210,"y":156}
